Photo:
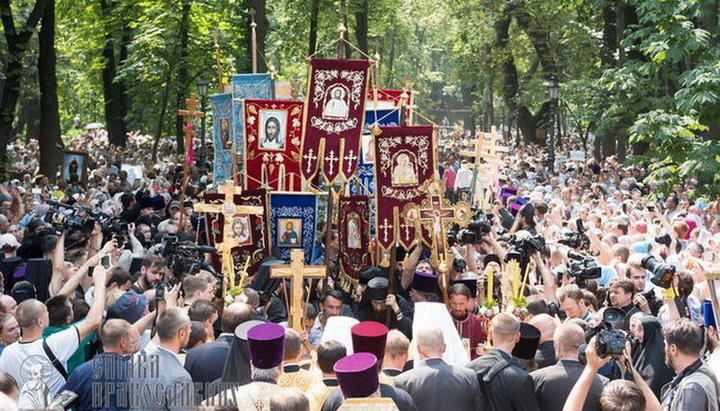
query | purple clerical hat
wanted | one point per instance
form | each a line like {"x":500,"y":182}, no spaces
{"x":369,"y":336}
{"x":267,"y":345}
{"x":357,"y":375}
{"x":424,"y":282}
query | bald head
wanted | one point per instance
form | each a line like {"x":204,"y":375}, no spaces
{"x":29,"y":312}
{"x":505,"y":328}
{"x":430,"y":342}
{"x":234,"y":315}
{"x":7,"y":304}
{"x":568,"y":338}
{"x":546,"y":324}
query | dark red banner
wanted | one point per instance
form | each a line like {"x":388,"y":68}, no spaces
{"x":334,"y":115}
{"x":273,"y":132}
{"x":249,"y":231}
{"x":404,"y":161}
{"x":354,"y":236}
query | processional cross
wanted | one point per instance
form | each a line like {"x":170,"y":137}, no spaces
{"x":229,"y":210}
{"x":435,"y":212}
{"x":486,"y":149}
{"x":190,"y":114}
{"x":297,"y":271}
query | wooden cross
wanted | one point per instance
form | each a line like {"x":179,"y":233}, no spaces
{"x":190,"y":114}
{"x":229,"y":210}
{"x":297,"y":271}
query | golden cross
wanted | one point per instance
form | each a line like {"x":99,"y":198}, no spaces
{"x":230,"y":212}
{"x":297,"y":271}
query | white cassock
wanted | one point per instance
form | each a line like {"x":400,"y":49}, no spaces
{"x":338,"y":328}
{"x":436,"y":314}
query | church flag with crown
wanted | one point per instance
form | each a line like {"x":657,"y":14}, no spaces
{"x":273,"y":130}
{"x":334,"y":117}
{"x":404,"y":161}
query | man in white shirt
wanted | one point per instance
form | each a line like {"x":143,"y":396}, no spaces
{"x":463,"y":177}
{"x":32,"y":353}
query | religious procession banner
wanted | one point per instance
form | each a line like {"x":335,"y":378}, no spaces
{"x":293,"y":223}
{"x":248,"y":239}
{"x":381,"y":109}
{"x":222,"y":135}
{"x":273,"y":130}
{"x":334,"y":117}
{"x":246,"y":86}
{"x":404,"y":162}
{"x":353,"y":237}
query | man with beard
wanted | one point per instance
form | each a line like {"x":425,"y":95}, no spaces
{"x":152,"y":272}
{"x":378,"y":306}
{"x":622,"y":293}
{"x":472,"y":330}
{"x":694,"y":386}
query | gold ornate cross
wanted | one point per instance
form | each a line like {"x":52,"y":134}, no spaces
{"x":297,"y":271}
{"x":229,"y":210}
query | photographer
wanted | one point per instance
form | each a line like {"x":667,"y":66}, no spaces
{"x":622,"y":293}
{"x":695,"y":385}
{"x":646,"y":295}
{"x":618,"y":395}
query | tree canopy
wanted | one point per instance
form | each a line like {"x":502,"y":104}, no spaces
{"x":641,"y":76}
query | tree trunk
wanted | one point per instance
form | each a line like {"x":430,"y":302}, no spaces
{"x":121,"y":85}
{"x":489,"y":112}
{"x":50,"y":143}
{"x":468,"y":117}
{"x":709,"y":19}
{"x":604,"y":144}
{"x":314,"y":15}
{"x":261,"y":30}
{"x":161,"y":116}
{"x":183,"y":76}
{"x":525,"y":119}
{"x":361,"y":26}
{"x":112,"y":90}
{"x":17,"y":44}
{"x":390,"y":80}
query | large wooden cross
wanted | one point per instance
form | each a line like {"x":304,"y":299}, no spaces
{"x":488,"y":159}
{"x":229,"y":210}
{"x":297,"y":271}
{"x":190,"y":114}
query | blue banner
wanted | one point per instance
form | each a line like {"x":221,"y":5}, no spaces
{"x":254,"y":86}
{"x":222,"y":135}
{"x":293,"y":223}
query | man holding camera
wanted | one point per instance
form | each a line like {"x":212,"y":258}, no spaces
{"x":622,"y":293}
{"x":695,"y":385}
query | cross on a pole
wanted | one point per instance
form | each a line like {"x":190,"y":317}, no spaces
{"x":332,"y":159}
{"x":190,"y":114}
{"x":229,"y":210}
{"x":297,"y":271}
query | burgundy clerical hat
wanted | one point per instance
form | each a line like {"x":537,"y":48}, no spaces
{"x":369,"y":336}
{"x":267,"y":345}
{"x":424,"y":282}
{"x":357,"y":375}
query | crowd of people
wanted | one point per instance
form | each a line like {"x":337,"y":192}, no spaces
{"x":614,"y":313}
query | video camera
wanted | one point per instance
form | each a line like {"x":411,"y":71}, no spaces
{"x":583,"y":268}
{"x":662,"y":274}
{"x":477,"y":228}
{"x":610,"y":341}
{"x":576,"y":240}
{"x":65,"y":217}
{"x":524,"y":245}
{"x":184,"y":257}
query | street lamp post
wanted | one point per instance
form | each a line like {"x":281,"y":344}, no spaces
{"x":202,"y":86}
{"x":553,"y":91}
